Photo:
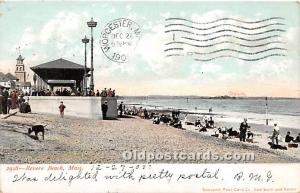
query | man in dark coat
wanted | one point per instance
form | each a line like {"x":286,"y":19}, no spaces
{"x":243,"y":130}
{"x":104,"y":108}
{"x":121,"y":109}
{"x":5,"y":95}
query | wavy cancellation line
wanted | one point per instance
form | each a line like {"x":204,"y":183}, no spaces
{"x":231,"y":50}
{"x":225,"y":30}
{"x":222,"y":25}
{"x":231,"y":56}
{"x":171,"y":49}
{"x":233,"y":36}
{"x":223,"y":42}
{"x":170,"y":55}
{"x":223,"y":19}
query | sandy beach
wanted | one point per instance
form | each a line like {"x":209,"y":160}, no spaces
{"x":78,"y":140}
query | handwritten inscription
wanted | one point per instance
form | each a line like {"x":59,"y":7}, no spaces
{"x":140,"y":173}
{"x":257,"y":177}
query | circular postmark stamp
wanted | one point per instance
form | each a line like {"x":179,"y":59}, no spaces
{"x":119,"y":39}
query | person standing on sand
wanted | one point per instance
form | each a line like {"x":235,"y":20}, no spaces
{"x":62,"y":109}
{"x":1,"y":98}
{"x":121,"y":109}
{"x":243,"y":129}
{"x":104,"y":108}
{"x":5,"y":95}
{"x":275,"y":134}
{"x":14,"y":98}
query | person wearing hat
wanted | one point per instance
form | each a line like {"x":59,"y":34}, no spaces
{"x":275,"y":134}
{"x":243,"y":130}
{"x":104,"y":108}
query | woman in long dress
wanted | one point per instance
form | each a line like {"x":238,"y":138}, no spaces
{"x":14,"y":98}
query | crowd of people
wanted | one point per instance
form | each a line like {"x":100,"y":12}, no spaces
{"x":74,"y":92}
{"x":133,"y":111}
{"x":243,"y":133}
{"x":57,"y":92}
{"x":12,"y":99}
{"x":106,"y":93}
{"x":276,"y":137}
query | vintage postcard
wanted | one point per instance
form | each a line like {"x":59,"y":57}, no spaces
{"x":149,"y":96}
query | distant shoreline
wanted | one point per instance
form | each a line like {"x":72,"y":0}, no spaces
{"x":224,"y":97}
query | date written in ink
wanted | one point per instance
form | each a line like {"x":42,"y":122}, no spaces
{"x":254,"y":176}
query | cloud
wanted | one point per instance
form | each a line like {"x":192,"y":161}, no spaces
{"x":112,"y":10}
{"x":5,"y":66}
{"x":292,"y":39}
{"x":210,"y":68}
{"x":270,"y":69}
{"x":128,"y":8}
{"x":62,"y":28}
{"x":28,"y":38}
{"x":60,"y":31}
{"x":165,"y":15}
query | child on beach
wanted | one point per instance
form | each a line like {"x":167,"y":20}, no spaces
{"x":61,"y":109}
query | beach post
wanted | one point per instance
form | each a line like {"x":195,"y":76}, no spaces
{"x":267,"y":122}
{"x":85,"y":41}
{"x":92,"y":24}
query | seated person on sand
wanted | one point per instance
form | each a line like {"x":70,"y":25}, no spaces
{"x":202,"y":128}
{"x":232,"y":132}
{"x":211,"y":123}
{"x":289,"y":138}
{"x":164,"y":118}
{"x":134,"y":111}
{"x":156,"y":120}
{"x":297,"y":140}
{"x":198,"y":122}
{"x":223,"y":132}
{"x":173,"y":121}
{"x":250,"y":134}
{"x":177,"y":124}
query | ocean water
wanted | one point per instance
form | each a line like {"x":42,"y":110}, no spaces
{"x":284,"y":112}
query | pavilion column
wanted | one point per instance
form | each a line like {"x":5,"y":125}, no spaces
{"x":38,"y":83}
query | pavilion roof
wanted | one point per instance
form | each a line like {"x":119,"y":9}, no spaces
{"x":60,"y":69}
{"x":59,"y":64}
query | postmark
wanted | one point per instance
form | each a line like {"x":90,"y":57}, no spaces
{"x":119,"y":39}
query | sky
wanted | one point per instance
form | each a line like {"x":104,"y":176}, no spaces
{"x":47,"y":31}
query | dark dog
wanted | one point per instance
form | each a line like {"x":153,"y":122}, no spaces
{"x":37,"y":129}
{"x":274,"y":146}
{"x":231,"y":132}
